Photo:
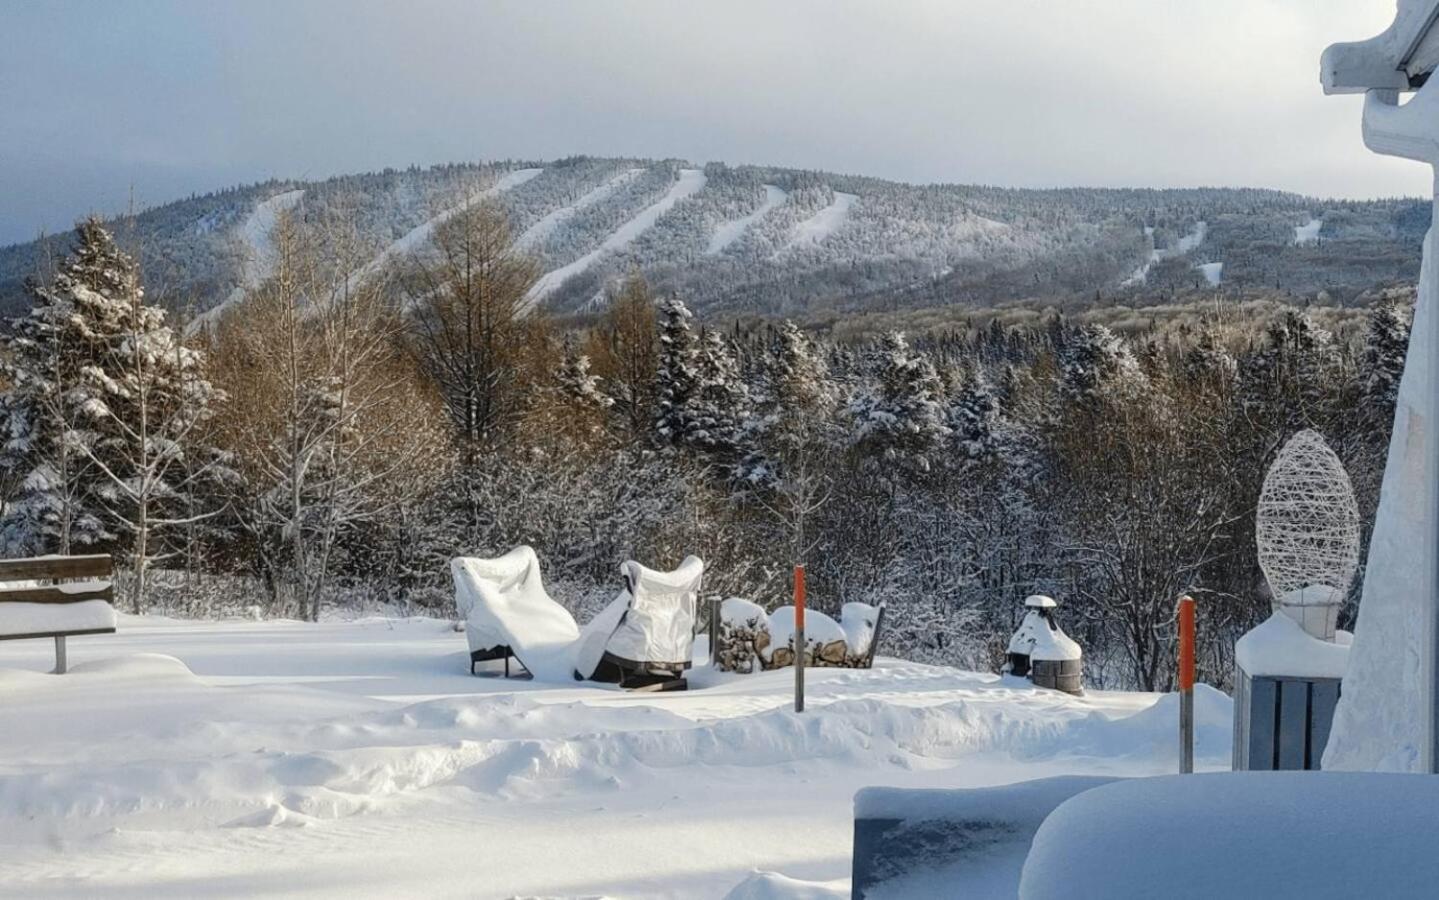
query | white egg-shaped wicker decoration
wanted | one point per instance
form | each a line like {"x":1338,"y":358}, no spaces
{"x":1307,"y":529}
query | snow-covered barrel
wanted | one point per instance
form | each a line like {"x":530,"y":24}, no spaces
{"x":1042,"y":652}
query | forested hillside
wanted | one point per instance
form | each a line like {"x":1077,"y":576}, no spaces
{"x":771,"y":241}
{"x":346,"y":429}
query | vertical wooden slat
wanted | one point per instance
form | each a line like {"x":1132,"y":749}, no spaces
{"x":1263,"y":713}
{"x":1293,"y":725}
{"x":1322,"y":702}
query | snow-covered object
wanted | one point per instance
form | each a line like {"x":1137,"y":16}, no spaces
{"x":39,"y":618}
{"x":922,"y":843}
{"x":1240,"y":834}
{"x":649,"y":624}
{"x":1307,"y":531}
{"x":504,"y":603}
{"x":1279,"y":647}
{"x":1381,"y":720}
{"x":859,"y":621}
{"x":739,"y":611}
{"x":819,"y":629}
{"x":1040,"y":637}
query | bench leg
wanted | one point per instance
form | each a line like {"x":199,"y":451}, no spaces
{"x":60,"y":654}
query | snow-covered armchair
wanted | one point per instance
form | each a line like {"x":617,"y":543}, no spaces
{"x":507,"y":612}
{"x":645,"y":638}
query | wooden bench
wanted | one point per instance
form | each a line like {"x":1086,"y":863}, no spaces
{"x":51,"y":609}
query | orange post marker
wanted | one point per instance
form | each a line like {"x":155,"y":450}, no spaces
{"x":799,"y":643}
{"x":1186,"y":685}
{"x":1186,"y":643}
{"x":799,"y":597}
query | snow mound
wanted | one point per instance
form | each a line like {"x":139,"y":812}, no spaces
{"x":135,"y":665}
{"x":272,"y":816}
{"x":1280,"y":646}
{"x":774,"y":886}
{"x":1315,"y":835}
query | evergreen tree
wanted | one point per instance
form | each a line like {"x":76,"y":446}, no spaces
{"x":899,"y":418}
{"x":677,"y":377}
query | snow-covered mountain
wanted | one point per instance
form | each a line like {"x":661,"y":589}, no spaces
{"x":753,"y":239}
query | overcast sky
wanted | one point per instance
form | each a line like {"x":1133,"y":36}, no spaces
{"x":170,"y":98}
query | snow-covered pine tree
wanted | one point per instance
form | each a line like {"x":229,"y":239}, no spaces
{"x":1385,"y":347}
{"x":677,"y":377}
{"x":1094,"y":358}
{"x":972,"y":417}
{"x":899,"y":417}
{"x":48,"y":504}
{"x":575,"y":381}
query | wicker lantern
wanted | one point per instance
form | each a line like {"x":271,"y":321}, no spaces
{"x":1307,"y":529}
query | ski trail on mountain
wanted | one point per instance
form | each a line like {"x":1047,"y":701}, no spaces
{"x":732,"y":231}
{"x":1184,"y":245}
{"x":540,"y":232}
{"x":691,"y":181}
{"x":1308,"y":233}
{"x":419,"y":235}
{"x":259,"y":260}
{"x":823,"y":223}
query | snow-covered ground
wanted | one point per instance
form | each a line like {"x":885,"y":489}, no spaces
{"x":690,"y":181}
{"x":733,"y":230}
{"x":1212,"y":272}
{"x":361,"y":759}
{"x":1308,"y":233}
{"x":823,"y":223}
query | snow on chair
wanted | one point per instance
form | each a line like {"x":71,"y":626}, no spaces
{"x":508,"y":613}
{"x":644,"y":639}
{"x":29,"y":609}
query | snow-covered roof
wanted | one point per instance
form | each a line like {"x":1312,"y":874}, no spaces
{"x":1399,"y":58}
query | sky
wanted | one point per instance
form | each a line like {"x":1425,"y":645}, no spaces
{"x":102,"y":102}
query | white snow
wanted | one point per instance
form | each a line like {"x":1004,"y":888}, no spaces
{"x":259,"y":260}
{"x":774,"y":886}
{"x":732,"y":231}
{"x":1375,"y":724}
{"x":1308,"y":233}
{"x":690,"y":181}
{"x":418,"y":236}
{"x":1211,"y":272}
{"x":1279,"y":646}
{"x":34,"y":618}
{"x":1314,"y":835}
{"x":1036,"y":639}
{"x":539,"y":232}
{"x":823,"y":223}
{"x":858,"y":621}
{"x":177,"y":757}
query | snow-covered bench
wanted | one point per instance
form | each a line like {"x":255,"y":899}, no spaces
{"x":56,"y":597}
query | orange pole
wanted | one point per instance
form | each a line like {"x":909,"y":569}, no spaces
{"x":799,"y":597}
{"x":799,"y":643}
{"x":1186,"y":643}
{"x":1186,"y":685}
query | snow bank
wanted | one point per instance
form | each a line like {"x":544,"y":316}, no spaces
{"x":774,"y":886}
{"x":32,"y":618}
{"x":1279,"y":646}
{"x":1314,"y":835}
